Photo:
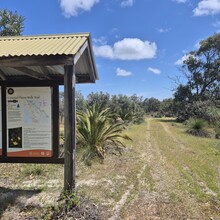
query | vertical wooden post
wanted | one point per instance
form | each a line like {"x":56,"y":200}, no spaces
{"x":69,"y":128}
{"x":55,"y":118}
{"x":4,"y":122}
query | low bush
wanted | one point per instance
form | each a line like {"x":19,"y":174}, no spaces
{"x":34,"y":169}
{"x":197,"y":127}
{"x":206,"y":110}
{"x":217,"y":130}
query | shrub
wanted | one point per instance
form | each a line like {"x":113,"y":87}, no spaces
{"x":96,"y":133}
{"x":207,"y":110}
{"x":197,"y":127}
{"x":217,"y":130}
{"x":34,"y":169}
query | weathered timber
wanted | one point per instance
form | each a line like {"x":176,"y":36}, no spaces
{"x":36,"y":60}
{"x":46,"y":71}
{"x":69,"y":128}
{"x":2,"y":75}
{"x":32,"y":73}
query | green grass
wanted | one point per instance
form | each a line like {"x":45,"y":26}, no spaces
{"x":35,"y":170}
{"x":200,"y":155}
{"x":172,"y":166}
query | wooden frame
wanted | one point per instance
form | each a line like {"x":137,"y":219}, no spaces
{"x":69,"y":128}
{"x":52,"y":70}
{"x":55,"y":123}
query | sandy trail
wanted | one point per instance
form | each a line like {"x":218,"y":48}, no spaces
{"x":165,"y":200}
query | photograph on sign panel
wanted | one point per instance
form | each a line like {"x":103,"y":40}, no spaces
{"x":15,"y":137}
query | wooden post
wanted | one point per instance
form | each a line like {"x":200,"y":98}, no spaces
{"x":69,"y":128}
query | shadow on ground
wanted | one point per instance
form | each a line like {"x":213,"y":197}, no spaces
{"x":9,"y":196}
{"x":168,"y":120}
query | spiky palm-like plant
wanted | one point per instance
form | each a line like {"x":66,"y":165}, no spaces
{"x":197,"y":127}
{"x":96,"y":132}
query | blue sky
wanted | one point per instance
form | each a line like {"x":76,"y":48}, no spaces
{"x":138,"y":44}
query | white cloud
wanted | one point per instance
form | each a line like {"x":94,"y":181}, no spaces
{"x":207,"y":7}
{"x":197,"y":44}
{"x":127,"y":49}
{"x":163,"y":30}
{"x":181,"y":1}
{"x":104,"y":51}
{"x":154,"y":70}
{"x":181,"y":60}
{"x":74,"y":7}
{"x":216,"y":24}
{"x":100,"y":41}
{"x":121,"y":72}
{"x":127,"y":3}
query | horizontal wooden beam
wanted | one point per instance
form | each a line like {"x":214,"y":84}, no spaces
{"x":46,"y":60}
{"x":30,"y":82}
{"x":42,"y":160}
{"x":31,"y":73}
{"x":2,"y":75}
{"x":57,"y":69}
{"x":46,"y":71}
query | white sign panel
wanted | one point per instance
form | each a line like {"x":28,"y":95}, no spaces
{"x":29,"y":130}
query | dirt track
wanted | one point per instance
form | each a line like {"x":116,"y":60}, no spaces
{"x":163,"y":174}
{"x":168,"y":197}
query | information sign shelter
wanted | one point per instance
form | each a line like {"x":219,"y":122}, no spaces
{"x":31,"y":70}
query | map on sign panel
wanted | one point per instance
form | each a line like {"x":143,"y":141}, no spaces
{"x":36,"y":111}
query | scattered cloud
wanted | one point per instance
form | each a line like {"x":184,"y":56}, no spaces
{"x":207,"y":7}
{"x":163,"y":30}
{"x":181,"y":60}
{"x":115,"y":32}
{"x":181,"y":1}
{"x":100,"y":41}
{"x":127,"y":49}
{"x":197,"y":44}
{"x":104,"y":51}
{"x":154,"y":70}
{"x":127,"y":3}
{"x":216,"y":24}
{"x":121,"y":72}
{"x":74,"y":7}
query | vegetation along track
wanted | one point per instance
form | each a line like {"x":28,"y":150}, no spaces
{"x":174,"y":181}
{"x":164,"y":173}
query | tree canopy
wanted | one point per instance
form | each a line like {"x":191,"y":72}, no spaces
{"x":202,"y":71}
{"x":202,"y":88}
{"x":11,"y":23}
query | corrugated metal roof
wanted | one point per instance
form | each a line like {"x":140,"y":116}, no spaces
{"x":63,"y":44}
{"x":19,"y":57}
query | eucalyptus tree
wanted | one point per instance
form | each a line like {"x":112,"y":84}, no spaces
{"x":202,"y":88}
{"x":11,"y":23}
{"x":202,"y":71}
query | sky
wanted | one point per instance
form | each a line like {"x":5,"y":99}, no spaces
{"x":139,"y":45}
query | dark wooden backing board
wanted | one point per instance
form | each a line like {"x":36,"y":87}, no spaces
{"x":55,"y":122}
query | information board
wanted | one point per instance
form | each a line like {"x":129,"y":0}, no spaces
{"x":29,"y":129}
{"x":0,"y":120}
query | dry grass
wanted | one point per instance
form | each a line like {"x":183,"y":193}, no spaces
{"x":163,"y":174}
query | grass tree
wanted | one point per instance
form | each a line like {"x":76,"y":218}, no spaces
{"x":197,"y":127}
{"x":97,"y":133}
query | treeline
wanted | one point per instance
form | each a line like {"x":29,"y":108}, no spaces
{"x":129,"y":109}
{"x":197,"y":98}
